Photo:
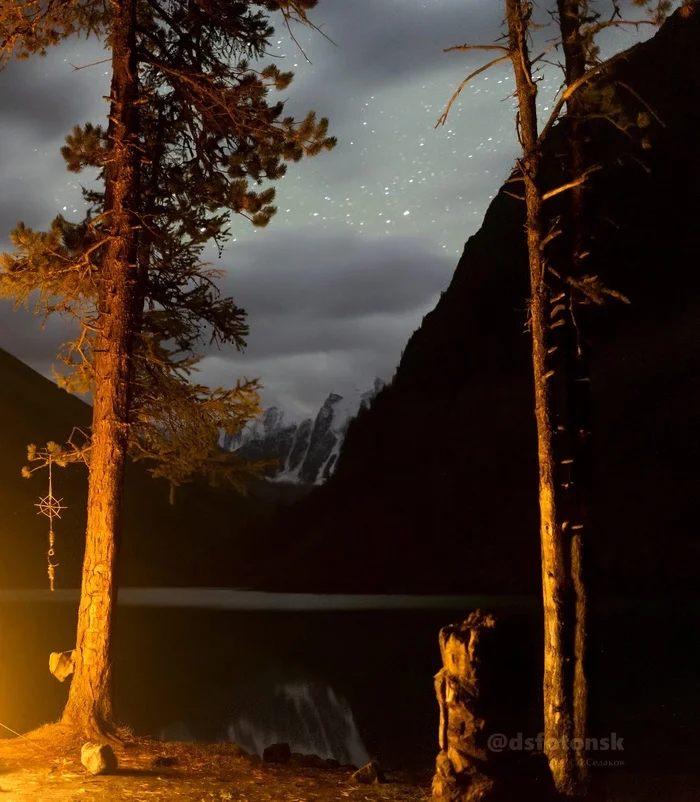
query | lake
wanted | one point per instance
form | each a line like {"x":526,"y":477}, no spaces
{"x":349,"y":677}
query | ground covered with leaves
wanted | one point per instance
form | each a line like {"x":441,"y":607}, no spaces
{"x":45,"y":765}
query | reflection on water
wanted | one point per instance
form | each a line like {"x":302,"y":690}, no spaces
{"x":309,"y":716}
{"x":207,"y":666}
{"x":213,"y":664}
{"x":336,"y":676}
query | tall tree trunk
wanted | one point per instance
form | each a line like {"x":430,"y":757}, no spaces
{"x":559,"y":615}
{"x":90,"y":701}
{"x":576,"y":366}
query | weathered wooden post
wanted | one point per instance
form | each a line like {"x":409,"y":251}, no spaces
{"x":462,"y":771}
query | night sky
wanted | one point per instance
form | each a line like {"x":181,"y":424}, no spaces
{"x":366,"y":236}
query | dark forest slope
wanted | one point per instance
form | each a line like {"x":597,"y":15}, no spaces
{"x":435,"y":488}
{"x":163,"y":544}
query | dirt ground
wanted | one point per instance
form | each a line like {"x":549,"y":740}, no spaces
{"x":44,"y":766}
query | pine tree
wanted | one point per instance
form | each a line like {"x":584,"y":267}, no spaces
{"x":190,"y":130}
{"x":572,"y":439}
{"x":558,"y":285}
{"x":30,"y":27}
{"x":571,"y":287}
{"x":544,"y":314}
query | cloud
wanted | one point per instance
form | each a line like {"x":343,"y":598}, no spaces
{"x":298,"y":384}
{"x":46,"y":97}
{"x":384,"y":43}
{"x":30,"y":338}
{"x":42,"y":99}
{"x":327,"y":312}
{"x":334,"y":275}
{"x":366,"y":236}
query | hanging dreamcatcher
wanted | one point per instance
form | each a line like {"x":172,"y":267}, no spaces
{"x":51,"y":507}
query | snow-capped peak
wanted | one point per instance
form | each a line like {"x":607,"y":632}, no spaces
{"x":307,"y":450}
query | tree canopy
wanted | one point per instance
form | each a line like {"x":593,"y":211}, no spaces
{"x":210,"y":145}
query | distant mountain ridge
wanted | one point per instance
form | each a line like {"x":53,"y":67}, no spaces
{"x":307,"y":451}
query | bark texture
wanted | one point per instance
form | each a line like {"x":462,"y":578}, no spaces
{"x":546,"y":315}
{"x":462,"y":772}
{"x":575,"y":438}
{"x":90,"y":701}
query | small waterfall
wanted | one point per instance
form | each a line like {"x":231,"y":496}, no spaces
{"x":307,"y":715}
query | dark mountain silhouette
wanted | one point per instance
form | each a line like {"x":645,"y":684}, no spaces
{"x":436,"y":485}
{"x":163,"y":544}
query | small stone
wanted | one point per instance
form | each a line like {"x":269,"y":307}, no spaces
{"x":307,"y":761}
{"x":98,"y":758}
{"x":61,"y":664}
{"x":277,"y":753}
{"x":371,"y":773}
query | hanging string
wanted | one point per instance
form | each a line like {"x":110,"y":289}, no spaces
{"x":51,"y":507}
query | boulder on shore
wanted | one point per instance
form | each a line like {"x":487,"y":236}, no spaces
{"x":371,"y":773}
{"x":307,"y":761}
{"x":277,"y":753}
{"x":98,"y":758}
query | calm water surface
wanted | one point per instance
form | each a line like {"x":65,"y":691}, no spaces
{"x":349,"y":677}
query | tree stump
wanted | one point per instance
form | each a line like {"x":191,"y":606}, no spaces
{"x":462,"y":771}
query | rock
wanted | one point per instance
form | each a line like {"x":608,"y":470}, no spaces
{"x":163,"y":760}
{"x":98,"y":758}
{"x":277,"y":753}
{"x":371,"y":773}
{"x":61,"y":664}
{"x":332,"y":763}
{"x":307,"y":761}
